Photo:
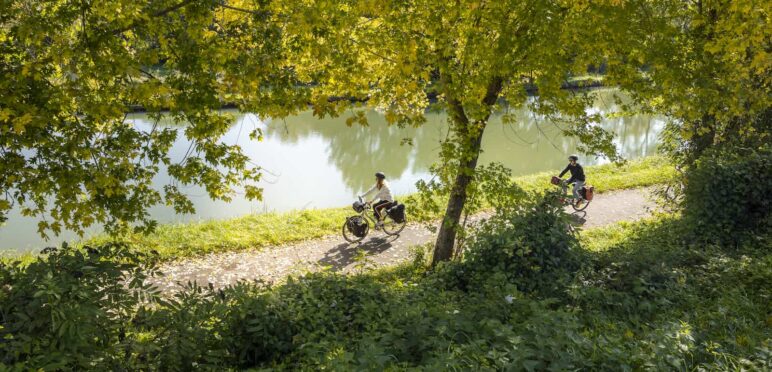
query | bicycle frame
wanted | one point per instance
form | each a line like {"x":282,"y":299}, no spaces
{"x":370,"y":217}
{"x":564,"y":192}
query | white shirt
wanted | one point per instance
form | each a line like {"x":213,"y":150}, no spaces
{"x":383,"y":194}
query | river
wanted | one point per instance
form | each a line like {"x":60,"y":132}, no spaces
{"x":319,"y":163}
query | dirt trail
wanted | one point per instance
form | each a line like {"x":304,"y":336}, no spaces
{"x":272,"y":264}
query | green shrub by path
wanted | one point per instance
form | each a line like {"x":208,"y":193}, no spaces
{"x":649,"y":280}
{"x":728,"y":194}
{"x":70,"y":308}
{"x":532,"y":246}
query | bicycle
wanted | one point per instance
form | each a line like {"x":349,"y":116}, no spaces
{"x":357,"y":227}
{"x":579,"y":204}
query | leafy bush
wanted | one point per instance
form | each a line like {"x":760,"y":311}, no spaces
{"x":258,"y":326}
{"x":180,"y":332}
{"x":71,"y":309}
{"x":532,"y":246}
{"x":728,"y":194}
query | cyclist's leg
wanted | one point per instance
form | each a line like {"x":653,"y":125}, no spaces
{"x":377,"y":207}
{"x":578,"y":186}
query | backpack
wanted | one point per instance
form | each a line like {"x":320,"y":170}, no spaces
{"x":397,"y":213}
{"x":357,"y":225}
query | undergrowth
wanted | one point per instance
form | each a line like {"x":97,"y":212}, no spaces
{"x":627,"y":297}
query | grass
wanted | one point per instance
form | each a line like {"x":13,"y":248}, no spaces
{"x":648,"y":171}
{"x":646,"y":276}
{"x":176,"y":241}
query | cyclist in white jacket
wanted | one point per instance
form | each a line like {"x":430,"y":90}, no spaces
{"x":382,"y":195}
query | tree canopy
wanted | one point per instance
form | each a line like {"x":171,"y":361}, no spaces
{"x":471,"y":57}
{"x":706,"y":65}
{"x":71,"y":71}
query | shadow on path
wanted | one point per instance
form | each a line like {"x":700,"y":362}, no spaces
{"x":344,"y":254}
{"x":578,"y":218}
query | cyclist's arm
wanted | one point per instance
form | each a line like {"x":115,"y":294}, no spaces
{"x":563,"y":172}
{"x":368,"y":192}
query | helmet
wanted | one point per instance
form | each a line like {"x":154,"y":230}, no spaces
{"x":380,"y":175}
{"x":573,"y":157}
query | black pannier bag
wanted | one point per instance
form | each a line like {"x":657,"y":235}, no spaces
{"x":397,"y":213}
{"x":357,"y":225}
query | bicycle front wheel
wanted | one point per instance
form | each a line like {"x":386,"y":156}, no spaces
{"x":391,"y":227}
{"x":349,"y":235}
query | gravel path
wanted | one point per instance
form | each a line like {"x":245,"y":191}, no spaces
{"x":273,"y":264}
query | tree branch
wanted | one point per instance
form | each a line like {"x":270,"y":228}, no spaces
{"x":159,"y":13}
{"x":242,"y":10}
{"x":494,"y":88}
{"x":148,"y":74}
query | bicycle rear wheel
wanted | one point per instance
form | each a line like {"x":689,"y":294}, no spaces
{"x":391,"y":227}
{"x":584,"y":205}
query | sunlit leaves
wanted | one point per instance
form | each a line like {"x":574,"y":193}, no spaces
{"x":705,"y":64}
{"x":70,"y":72}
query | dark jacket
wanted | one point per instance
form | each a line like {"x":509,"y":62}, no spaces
{"x":577,"y":172}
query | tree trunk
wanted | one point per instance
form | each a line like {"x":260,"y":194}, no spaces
{"x":443,"y":249}
{"x":470,"y":134}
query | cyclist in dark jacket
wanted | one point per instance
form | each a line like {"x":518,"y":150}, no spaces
{"x":577,"y":175}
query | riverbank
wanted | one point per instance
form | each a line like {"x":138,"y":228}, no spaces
{"x":258,"y":231}
{"x":178,"y":241}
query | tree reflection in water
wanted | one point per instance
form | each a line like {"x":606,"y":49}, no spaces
{"x":529,"y":144}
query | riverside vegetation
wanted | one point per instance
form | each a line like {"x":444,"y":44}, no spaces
{"x":174,"y":241}
{"x":662,"y":293}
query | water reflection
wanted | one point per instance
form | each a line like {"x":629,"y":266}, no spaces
{"x":312,"y":163}
{"x":530,"y":144}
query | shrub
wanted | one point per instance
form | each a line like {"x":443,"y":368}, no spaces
{"x":179,"y":333}
{"x":532,"y":246}
{"x":257,"y":326}
{"x":728,"y":193}
{"x":643,"y":303}
{"x":70,"y":309}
